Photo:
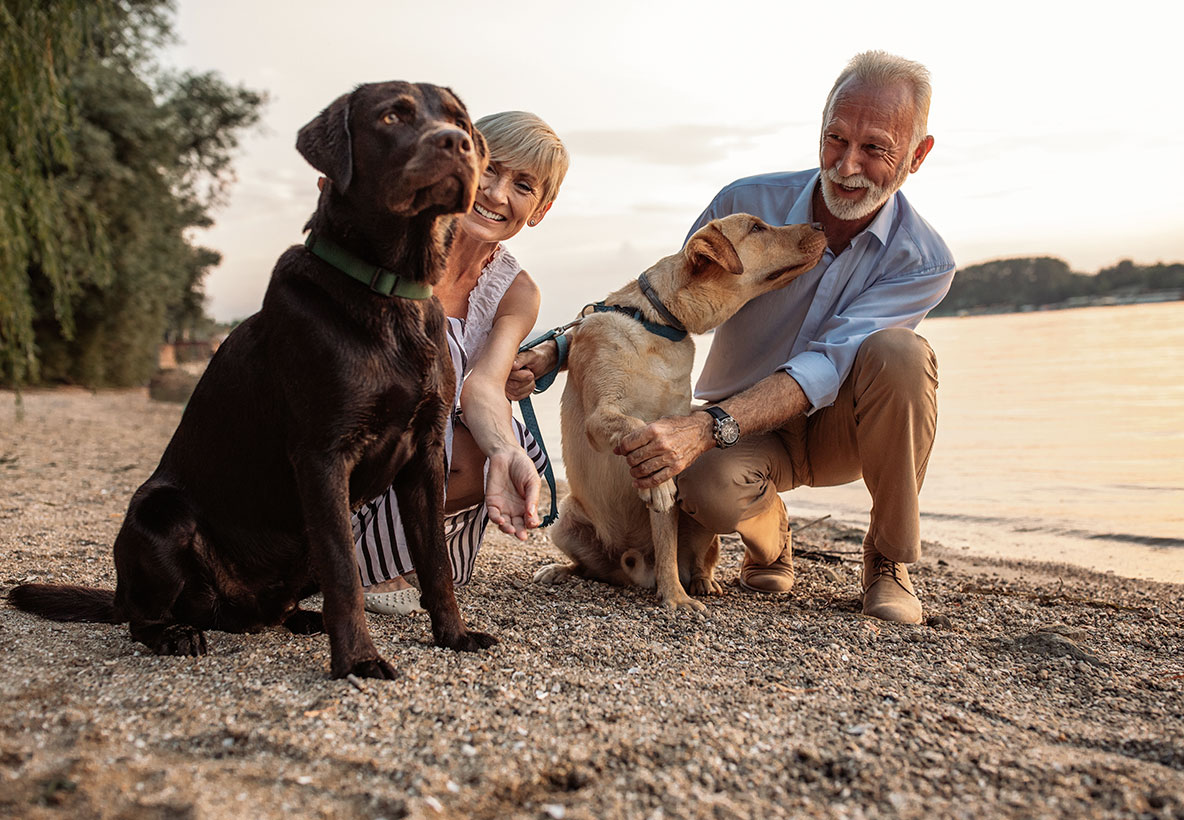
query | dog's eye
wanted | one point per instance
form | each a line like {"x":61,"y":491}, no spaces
{"x":757,"y":227}
{"x":462,"y":123}
{"x":391,"y":119}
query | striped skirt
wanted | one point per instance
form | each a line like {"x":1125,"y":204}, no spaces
{"x":381,"y":545}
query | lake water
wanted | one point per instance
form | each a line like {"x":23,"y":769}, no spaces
{"x":1060,"y":438}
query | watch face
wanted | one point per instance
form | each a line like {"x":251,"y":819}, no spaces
{"x":729,"y":432}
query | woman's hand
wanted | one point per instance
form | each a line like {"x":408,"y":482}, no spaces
{"x":528,"y":366}
{"x":512,"y":492}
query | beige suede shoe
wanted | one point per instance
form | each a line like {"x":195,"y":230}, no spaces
{"x":888,"y":593}
{"x":769,"y":578}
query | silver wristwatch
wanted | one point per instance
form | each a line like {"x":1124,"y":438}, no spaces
{"x":726,"y":430}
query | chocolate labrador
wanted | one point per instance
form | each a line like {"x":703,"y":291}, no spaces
{"x":335,"y":390}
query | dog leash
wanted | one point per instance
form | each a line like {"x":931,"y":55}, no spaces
{"x":531,"y":421}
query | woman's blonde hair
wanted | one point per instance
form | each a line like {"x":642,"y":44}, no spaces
{"x":521,"y":140}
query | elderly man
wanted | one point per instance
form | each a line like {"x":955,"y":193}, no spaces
{"x":824,"y":381}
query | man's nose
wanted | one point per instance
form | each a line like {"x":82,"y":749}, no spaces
{"x":848,"y":163}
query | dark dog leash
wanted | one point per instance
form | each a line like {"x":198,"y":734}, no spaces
{"x":531,"y":421}
{"x":674,"y":331}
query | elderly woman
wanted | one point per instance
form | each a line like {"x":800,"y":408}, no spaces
{"x":491,"y":304}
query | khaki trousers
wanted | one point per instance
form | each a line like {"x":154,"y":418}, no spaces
{"x":881,"y":427}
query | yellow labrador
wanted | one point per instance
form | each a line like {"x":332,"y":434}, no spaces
{"x":628,"y":367}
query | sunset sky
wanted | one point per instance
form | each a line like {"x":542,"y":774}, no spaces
{"x":1058,"y":128}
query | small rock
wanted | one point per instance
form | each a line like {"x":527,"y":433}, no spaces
{"x":938,"y":621}
{"x":1050,"y":643}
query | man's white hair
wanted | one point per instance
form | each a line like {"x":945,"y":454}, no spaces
{"x":880,"y":69}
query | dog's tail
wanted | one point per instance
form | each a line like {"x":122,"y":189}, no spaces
{"x":66,"y":603}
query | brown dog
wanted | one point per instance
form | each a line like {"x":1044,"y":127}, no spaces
{"x":333,"y":391}
{"x":622,"y":376}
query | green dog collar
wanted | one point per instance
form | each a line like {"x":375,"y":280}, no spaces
{"x":379,"y":280}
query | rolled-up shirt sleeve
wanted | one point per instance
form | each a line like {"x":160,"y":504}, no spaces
{"x":894,"y":300}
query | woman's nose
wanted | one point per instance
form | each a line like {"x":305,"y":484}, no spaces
{"x":495,"y":188}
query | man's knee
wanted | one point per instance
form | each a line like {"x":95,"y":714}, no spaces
{"x":897,"y":358}
{"x":713,"y":495}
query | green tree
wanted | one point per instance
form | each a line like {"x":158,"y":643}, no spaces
{"x":108,"y":163}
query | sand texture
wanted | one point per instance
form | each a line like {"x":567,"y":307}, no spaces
{"x":1033,"y":690}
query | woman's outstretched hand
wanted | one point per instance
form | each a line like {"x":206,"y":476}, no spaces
{"x":512,"y":492}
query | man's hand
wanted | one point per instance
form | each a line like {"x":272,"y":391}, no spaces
{"x":528,"y":366}
{"x":664,"y":448}
{"x":512,"y":492}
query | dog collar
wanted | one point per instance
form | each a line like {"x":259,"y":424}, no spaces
{"x":674,"y":334}
{"x":649,"y":292}
{"x":379,"y":280}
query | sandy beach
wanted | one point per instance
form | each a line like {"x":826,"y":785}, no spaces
{"x":1033,"y":690}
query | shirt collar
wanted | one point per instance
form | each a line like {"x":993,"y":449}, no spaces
{"x":802,"y":211}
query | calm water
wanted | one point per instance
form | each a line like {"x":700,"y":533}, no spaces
{"x":1060,"y":438}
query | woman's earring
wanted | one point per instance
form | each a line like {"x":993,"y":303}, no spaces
{"x":532,"y":222}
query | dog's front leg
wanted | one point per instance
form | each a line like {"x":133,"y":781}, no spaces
{"x":664,"y":529}
{"x":419,"y":487}
{"x":324,"y":500}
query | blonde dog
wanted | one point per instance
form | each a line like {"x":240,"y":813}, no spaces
{"x":629,"y":365}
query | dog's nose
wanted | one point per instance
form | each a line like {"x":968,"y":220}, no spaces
{"x":453,"y":139}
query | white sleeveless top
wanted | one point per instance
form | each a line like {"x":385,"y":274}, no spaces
{"x":484,"y":299}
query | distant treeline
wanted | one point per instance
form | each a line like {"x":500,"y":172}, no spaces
{"x":1033,"y":282}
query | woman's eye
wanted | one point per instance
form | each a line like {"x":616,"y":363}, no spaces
{"x":525,"y":188}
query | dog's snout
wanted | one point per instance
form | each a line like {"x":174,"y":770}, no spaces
{"x":452,"y":140}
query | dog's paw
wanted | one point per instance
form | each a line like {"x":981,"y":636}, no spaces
{"x":304,"y":622}
{"x":660,"y":498}
{"x":377,"y":668}
{"x":705,"y":586}
{"x":180,"y":639}
{"x":682,"y":601}
{"x":553,"y":574}
{"x":468,"y":641}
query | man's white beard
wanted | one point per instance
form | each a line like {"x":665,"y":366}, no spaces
{"x":876,"y":195}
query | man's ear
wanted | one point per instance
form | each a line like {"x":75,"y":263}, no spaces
{"x":709,"y":247}
{"x":325,"y":142}
{"x":920,"y":152}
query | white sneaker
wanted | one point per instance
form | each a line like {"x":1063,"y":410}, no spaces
{"x":398,"y":602}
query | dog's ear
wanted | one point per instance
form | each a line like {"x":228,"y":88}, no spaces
{"x":326,"y":144}
{"x":709,"y":247}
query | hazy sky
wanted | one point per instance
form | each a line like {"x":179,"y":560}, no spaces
{"x":1058,"y":129}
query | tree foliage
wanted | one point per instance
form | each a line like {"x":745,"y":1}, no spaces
{"x":108,"y":162}
{"x":1012,"y":284}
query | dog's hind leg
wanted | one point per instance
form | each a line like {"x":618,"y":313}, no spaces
{"x":698,"y":555}
{"x":153,"y":563}
{"x":324,"y":501}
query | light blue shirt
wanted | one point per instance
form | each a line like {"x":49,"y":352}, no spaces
{"x":894,"y":272}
